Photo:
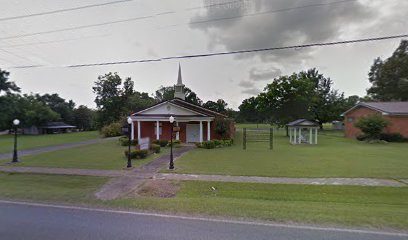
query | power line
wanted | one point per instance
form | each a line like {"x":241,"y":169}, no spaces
{"x":163,"y":13}
{"x":63,"y":10}
{"x":262,"y":13}
{"x":242,"y":51}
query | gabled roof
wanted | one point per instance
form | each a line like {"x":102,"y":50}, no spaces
{"x":386,"y":108}
{"x":54,"y":125}
{"x":303,"y":122}
{"x":195,"y":109}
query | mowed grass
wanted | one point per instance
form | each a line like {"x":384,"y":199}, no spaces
{"x":378,"y":207}
{"x":50,"y":188}
{"x":108,"y":155}
{"x":34,"y":141}
{"x":334,"y":156}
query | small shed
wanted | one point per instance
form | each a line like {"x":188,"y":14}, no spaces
{"x":303,"y":131}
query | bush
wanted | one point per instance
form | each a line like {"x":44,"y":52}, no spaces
{"x":362,"y":137}
{"x":124,"y":141}
{"x":209,"y":144}
{"x":163,"y":143}
{"x":175,"y":143}
{"x":155,"y":148}
{"x":137,"y":154}
{"x":112,"y":130}
{"x":228,"y":142}
{"x":393,"y":137}
{"x":372,"y":125}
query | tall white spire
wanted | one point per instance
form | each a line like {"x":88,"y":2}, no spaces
{"x":179,"y":79}
{"x":179,"y":87}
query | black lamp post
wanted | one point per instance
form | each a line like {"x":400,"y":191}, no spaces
{"x":171,"y":120}
{"x":129,"y":121}
{"x":16,"y":122}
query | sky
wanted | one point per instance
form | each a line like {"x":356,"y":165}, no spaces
{"x":124,"y":30}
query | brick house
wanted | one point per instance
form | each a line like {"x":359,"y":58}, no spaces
{"x":395,"y":112}
{"x":196,"y":123}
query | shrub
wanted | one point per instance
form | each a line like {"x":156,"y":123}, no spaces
{"x":209,"y":144}
{"x":112,"y":130}
{"x":175,"y":143}
{"x":137,"y":154}
{"x":163,"y":143}
{"x":372,"y":125}
{"x":199,"y":145}
{"x":155,"y":148}
{"x":392,"y":137}
{"x":124,"y":141}
{"x":228,"y":142}
{"x":218,"y":143}
{"x":222,"y":126}
{"x":362,"y":137}
{"x":156,"y":142}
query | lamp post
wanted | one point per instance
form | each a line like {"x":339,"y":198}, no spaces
{"x":16,"y":122}
{"x":171,"y":120}
{"x":129,"y":121}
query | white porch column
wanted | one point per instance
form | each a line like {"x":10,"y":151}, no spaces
{"x":295,"y":139}
{"x":316,"y":136}
{"x":290,"y":135}
{"x":300,"y":135}
{"x":311,"y":136}
{"x":157,"y":130}
{"x":138,"y":131}
{"x":208,"y":130}
{"x":132,"y":131}
{"x":201,"y":131}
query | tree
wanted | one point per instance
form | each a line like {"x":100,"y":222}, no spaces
{"x":389,"y":78}
{"x":222,"y":127}
{"x":5,"y":84}
{"x":59,"y":105}
{"x":286,"y":99}
{"x":326,"y":103}
{"x":220,"y":106}
{"x":372,"y":125}
{"x":84,"y":118}
{"x":109,"y":99}
{"x":167,"y":93}
{"x":248,"y":111}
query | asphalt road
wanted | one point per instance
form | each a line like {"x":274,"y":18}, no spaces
{"x":21,"y":221}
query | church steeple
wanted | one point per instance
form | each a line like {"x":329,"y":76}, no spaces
{"x":179,"y":87}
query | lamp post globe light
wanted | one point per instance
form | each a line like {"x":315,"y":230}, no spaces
{"x":16,"y":122}
{"x":129,"y":121}
{"x":171,"y":120}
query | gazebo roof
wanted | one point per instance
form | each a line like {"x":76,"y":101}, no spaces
{"x":303,"y":123}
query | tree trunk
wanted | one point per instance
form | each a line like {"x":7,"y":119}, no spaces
{"x":287,"y":131}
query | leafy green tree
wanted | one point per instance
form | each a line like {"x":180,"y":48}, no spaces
{"x":84,"y":118}
{"x":109,"y":99}
{"x":5,"y":84}
{"x":220,"y":106}
{"x":372,"y":125}
{"x":326,"y":104}
{"x":389,"y":78}
{"x":59,"y":105}
{"x":286,"y":99}
{"x":249,"y":111}
{"x":167,"y":93}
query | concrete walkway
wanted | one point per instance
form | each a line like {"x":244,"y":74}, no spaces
{"x":283,"y":180}
{"x":122,"y":186}
{"x":38,"y":150}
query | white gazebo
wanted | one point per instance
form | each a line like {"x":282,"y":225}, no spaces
{"x":303,"y":131}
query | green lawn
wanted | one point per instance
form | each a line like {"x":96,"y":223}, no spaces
{"x":32,"y":141}
{"x":252,"y":125}
{"x":50,"y":188}
{"x":107,"y":155}
{"x":334,"y":156}
{"x":379,"y":207}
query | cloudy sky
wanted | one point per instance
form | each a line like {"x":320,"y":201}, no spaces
{"x":146,"y":29}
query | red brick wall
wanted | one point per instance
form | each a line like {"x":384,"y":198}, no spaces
{"x":398,"y":124}
{"x":148,"y":130}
